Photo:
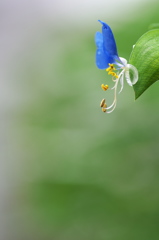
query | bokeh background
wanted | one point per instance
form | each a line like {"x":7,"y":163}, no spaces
{"x":69,"y":171}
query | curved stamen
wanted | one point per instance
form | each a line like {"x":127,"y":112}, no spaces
{"x":112,"y":109}
{"x":113,"y":105}
{"x":130,"y":78}
{"x":121,"y":81}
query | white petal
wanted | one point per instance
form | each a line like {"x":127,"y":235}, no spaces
{"x":131,"y":80}
{"x":123,"y":60}
{"x":122,"y":63}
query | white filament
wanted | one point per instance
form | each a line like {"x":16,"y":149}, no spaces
{"x":130,"y":78}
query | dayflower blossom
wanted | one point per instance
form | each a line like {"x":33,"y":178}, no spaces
{"x":106,"y":58}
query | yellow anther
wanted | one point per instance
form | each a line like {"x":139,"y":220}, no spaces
{"x":105,"y":105}
{"x":110,"y":70}
{"x":104,"y":110}
{"x":102,"y":102}
{"x":104,"y":87}
{"x":114,"y":74}
{"x":112,"y":66}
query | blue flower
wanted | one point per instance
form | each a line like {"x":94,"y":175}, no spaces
{"x":106,"y":57}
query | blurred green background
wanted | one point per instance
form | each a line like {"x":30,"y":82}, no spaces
{"x":75,"y":172}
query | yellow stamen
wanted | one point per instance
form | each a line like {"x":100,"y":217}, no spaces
{"x":102,"y":103}
{"x":111,"y":65}
{"x":105,"y":105}
{"x":110,"y":70}
{"x":114,"y":74}
{"x":104,"y":87}
{"x":104,"y":110}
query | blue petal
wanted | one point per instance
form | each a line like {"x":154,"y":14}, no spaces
{"x":109,"y":43}
{"x":101,"y":56}
{"x":101,"y":59}
{"x":99,"y":39}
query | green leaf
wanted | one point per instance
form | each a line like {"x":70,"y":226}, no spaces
{"x":145,"y":57}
